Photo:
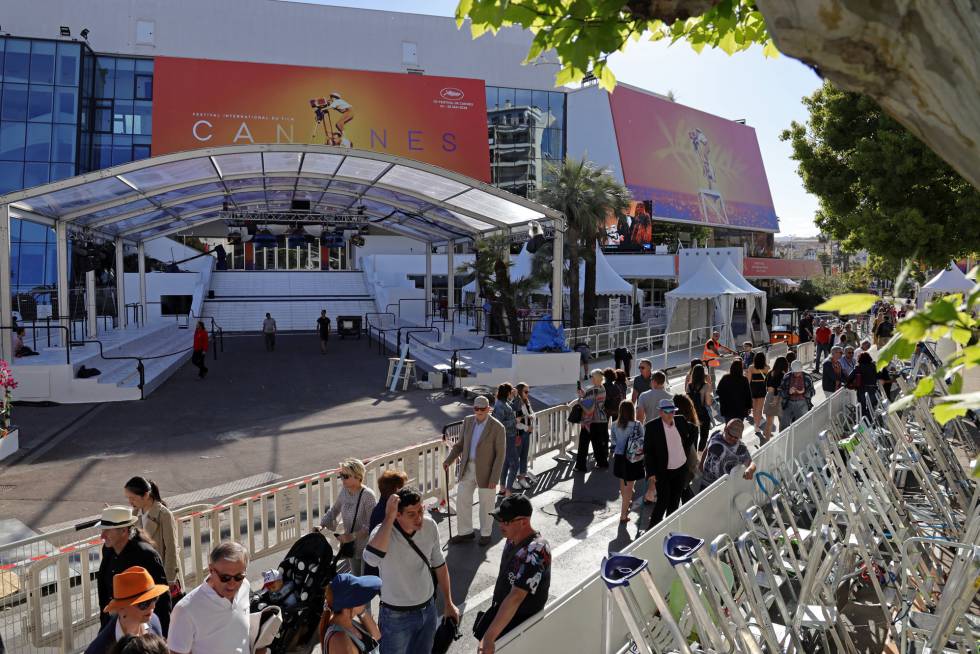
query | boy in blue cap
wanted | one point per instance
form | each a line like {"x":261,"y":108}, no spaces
{"x":348,"y":598}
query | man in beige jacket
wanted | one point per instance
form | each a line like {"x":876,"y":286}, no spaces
{"x":481,"y":451}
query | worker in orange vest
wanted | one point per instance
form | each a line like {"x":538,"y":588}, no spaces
{"x":712,"y":353}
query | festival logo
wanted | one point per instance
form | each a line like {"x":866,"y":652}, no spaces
{"x":205,"y":103}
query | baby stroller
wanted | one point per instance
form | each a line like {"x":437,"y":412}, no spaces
{"x":296,"y":587}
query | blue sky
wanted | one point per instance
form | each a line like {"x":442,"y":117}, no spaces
{"x":765,"y":92}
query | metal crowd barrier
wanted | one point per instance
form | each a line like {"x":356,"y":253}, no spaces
{"x":48,"y":590}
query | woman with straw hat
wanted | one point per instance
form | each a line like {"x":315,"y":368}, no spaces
{"x":134,"y":596}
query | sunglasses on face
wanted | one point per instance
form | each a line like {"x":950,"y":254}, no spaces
{"x":476,"y":408}
{"x":668,"y":411}
{"x":345,"y":475}
{"x":142,"y":606}
{"x":227,"y":578}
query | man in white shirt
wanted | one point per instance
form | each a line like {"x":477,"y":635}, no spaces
{"x":406,"y":550}
{"x":666,"y":443}
{"x":213,"y":618}
{"x":269,"y":331}
{"x":481,"y":449}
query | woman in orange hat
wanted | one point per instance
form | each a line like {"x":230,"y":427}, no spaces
{"x":134,"y":596}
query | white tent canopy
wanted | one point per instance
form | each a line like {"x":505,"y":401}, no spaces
{"x":755,"y":300}
{"x":950,"y":280}
{"x":703,"y":300}
{"x":607,"y":280}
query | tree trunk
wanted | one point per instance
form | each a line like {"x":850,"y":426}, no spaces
{"x":573,"y":278}
{"x":589,"y":299}
{"x":917,"y":58}
{"x":502,"y":273}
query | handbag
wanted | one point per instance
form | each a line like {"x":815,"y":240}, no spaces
{"x":346,"y":550}
{"x":575,"y":413}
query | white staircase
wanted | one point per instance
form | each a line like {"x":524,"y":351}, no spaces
{"x":48,"y":377}
{"x":295,"y":299}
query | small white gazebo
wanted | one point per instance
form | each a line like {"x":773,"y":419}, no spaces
{"x":948,"y":281}
{"x":755,"y":301}
{"x":703,"y":300}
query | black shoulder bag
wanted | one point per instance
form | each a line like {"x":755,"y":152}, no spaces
{"x":346,"y":550}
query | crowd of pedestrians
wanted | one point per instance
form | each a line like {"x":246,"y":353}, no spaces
{"x":648,"y":435}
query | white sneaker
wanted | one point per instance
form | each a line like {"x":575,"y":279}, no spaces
{"x":523,"y":483}
{"x":531,"y":478}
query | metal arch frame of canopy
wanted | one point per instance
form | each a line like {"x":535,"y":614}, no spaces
{"x":433,"y":218}
{"x":292,"y":181}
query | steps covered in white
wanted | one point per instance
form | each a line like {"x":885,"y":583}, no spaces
{"x":295,"y":299}
{"x":48,"y":378}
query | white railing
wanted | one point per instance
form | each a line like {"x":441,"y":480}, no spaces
{"x":604,"y":339}
{"x":674,"y":348}
{"x":50,"y":578}
{"x":559,"y":627}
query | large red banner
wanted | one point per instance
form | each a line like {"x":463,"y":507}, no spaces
{"x":439,"y":120}
{"x":692,"y":166}
{"x":791,"y":268}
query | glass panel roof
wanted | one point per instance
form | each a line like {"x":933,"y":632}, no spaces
{"x":383,"y":194}
{"x":424,"y":182}
{"x":175,"y":172}
{"x":282,"y":162}
{"x":76,"y":197}
{"x":119,"y":210}
{"x":269,"y":177}
{"x":239,"y":164}
{"x":325,"y":164}
{"x":492,"y":206}
{"x":451,"y":216}
{"x":366,"y":169}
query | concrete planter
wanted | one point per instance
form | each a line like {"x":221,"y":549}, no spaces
{"x":9,"y":444}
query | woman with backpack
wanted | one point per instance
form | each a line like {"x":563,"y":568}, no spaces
{"x":699,"y":391}
{"x":626,"y":439}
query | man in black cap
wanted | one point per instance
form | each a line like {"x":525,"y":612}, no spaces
{"x":525,"y":574}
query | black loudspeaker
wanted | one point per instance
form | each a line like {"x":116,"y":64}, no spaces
{"x":210,"y":294}
{"x":300,"y":205}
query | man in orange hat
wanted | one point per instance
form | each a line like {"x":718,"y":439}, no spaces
{"x":134,"y":596}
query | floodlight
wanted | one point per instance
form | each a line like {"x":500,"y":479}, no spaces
{"x":85,"y":33}
{"x":65,"y":31}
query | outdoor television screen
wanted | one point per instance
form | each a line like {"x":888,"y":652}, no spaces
{"x":200,"y":103}
{"x":686,"y":165}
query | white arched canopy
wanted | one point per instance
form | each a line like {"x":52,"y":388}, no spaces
{"x":164,"y":195}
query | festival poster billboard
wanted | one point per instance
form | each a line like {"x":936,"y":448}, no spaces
{"x":690,"y":165}
{"x":201,"y":103}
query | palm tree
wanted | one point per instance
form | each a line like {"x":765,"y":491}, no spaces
{"x":586,"y":194}
{"x":492,"y":273}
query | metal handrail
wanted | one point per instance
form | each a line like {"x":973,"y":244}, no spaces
{"x":140,"y":368}
{"x":68,"y":340}
{"x":454,"y":359}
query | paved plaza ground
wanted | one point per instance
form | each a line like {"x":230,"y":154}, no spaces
{"x":257,"y":417}
{"x":262,"y":416}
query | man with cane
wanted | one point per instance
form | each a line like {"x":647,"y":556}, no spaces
{"x":481,"y":450}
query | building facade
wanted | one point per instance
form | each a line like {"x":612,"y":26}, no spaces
{"x":88,"y":86}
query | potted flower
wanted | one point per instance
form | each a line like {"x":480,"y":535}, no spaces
{"x":8,"y":435}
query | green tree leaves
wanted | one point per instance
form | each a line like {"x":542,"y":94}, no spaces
{"x":849,"y":304}
{"x":880,"y":188}
{"x":583,"y":33}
